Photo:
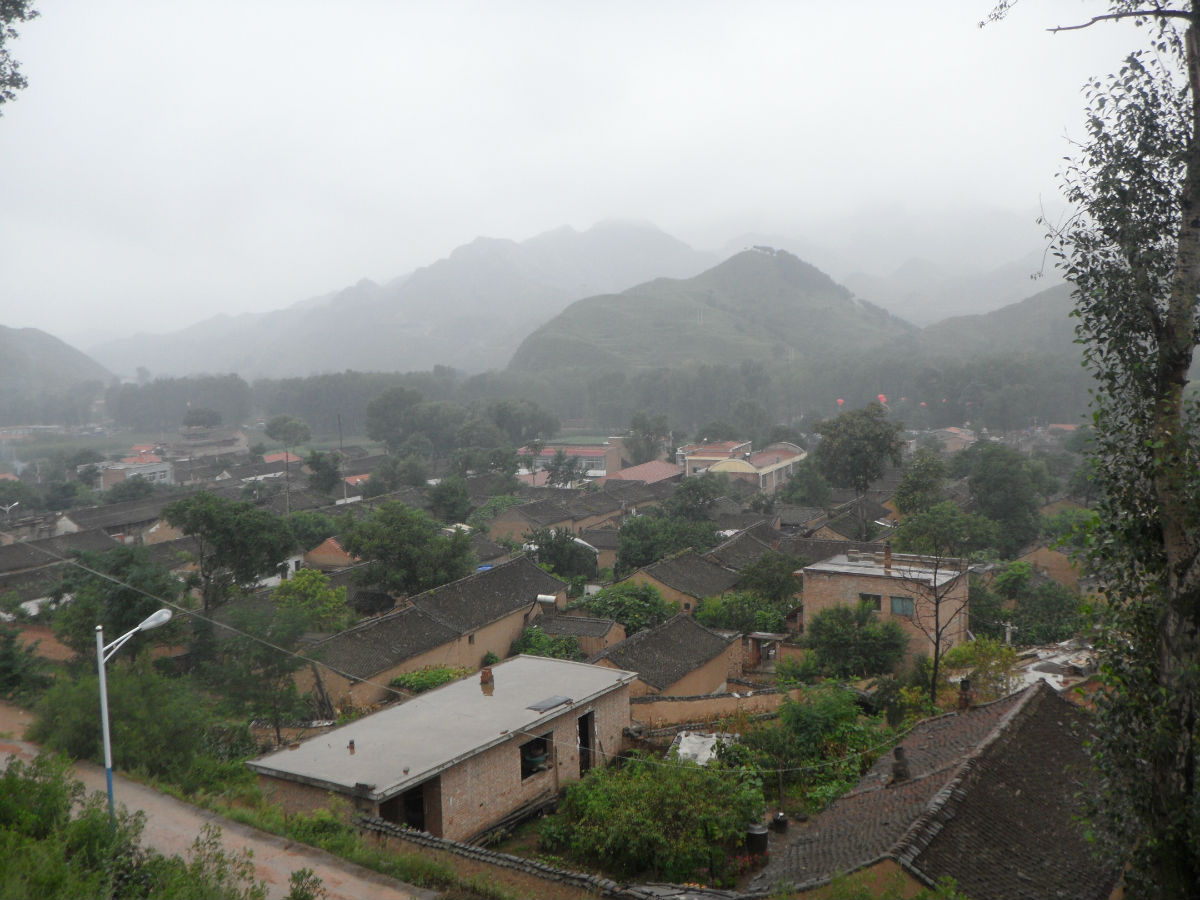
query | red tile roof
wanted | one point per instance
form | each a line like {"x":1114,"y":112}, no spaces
{"x":650,"y":472}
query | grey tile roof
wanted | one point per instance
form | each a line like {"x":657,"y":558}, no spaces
{"x":576,"y":626}
{"x":991,"y":802}
{"x":35,"y":554}
{"x":664,"y":654}
{"x":128,"y":513}
{"x":602,"y":538}
{"x":489,"y":595}
{"x":374,"y":645}
{"x":739,"y":551}
{"x":692,"y":574}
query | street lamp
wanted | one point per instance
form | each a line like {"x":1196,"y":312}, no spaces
{"x":103,"y":655}
{"x":8,"y":509}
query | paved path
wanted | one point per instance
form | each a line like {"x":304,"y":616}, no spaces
{"x":172,"y":826}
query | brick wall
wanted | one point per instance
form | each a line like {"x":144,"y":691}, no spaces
{"x":823,"y":590}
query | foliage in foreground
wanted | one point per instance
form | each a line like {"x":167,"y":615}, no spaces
{"x":156,"y":723}
{"x":674,"y":820}
{"x":854,"y":642}
{"x":56,"y":842}
{"x":820,"y":744}
{"x":635,"y":606}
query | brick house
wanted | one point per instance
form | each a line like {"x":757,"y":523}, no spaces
{"x":593,"y":634}
{"x":765,"y":470}
{"x":456,"y":624}
{"x":685,"y":579}
{"x":911,"y":590}
{"x":679,"y":658}
{"x":993,"y":797}
{"x":459,"y":759}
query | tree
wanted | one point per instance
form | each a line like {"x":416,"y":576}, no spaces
{"x":307,"y":597}
{"x":11,"y":79}
{"x":694,"y":498}
{"x":257,"y":665}
{"x":237,"y":543}
{"x":535,"y":642}
{"x":326,"y":471}
{"x":118,"y":589}
{"x":310,"y":528}
{"x":289,"y":431}
{"x":772,"y":576}
{"x":674,"y":821}
{"x":856,"y":448}
{"x":1003,"y":488}
{"x":563,"y":470}
{"x":201,"y":417}
{"x":646,"y":437}
{"x":646,"y":539}
{"x":807,"y":487}
{"x":135,"y":488}
{"x":942,"y":535}
{"x":450,"y":500}
{"x":406,"y":550}
{"x":636,"y":606}
{"x":386,"y":416}
{"x":743,"y":611}
{"x":921,"y":486}
{"x":1132,"y":253}
{"x":562,"y":553}
{"x":853,"y":642}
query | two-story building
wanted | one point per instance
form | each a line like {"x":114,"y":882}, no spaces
{"x":924,"y":594}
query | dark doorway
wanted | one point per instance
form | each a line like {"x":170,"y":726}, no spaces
{"x":407,"y":808}
{"x":587,"y":723}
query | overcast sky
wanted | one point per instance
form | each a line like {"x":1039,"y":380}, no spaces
{"x":170,"y":161}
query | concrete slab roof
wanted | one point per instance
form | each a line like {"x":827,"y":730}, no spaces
{"x":901,"y":567}
{"x":403,"y":745}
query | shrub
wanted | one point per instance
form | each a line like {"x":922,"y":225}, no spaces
{"x":428,"y":678}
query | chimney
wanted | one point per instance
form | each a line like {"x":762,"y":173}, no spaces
{"x":887,"y":559}
{"x":899,"y":767}
{"x":966,"y":697}
{"x":487,"y":682}
{"x":350,"y":746}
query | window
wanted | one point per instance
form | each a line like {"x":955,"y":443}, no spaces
{"x":470,"y":638}
{"x":535,"y":756}
{"x":902,"y":606}
{"x":875,"y":601}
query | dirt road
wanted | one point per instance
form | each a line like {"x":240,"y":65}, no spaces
{"x":172,"y":826}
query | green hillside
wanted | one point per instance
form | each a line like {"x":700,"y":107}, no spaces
{"x":761,"y":304}
{"x":43,"y":380}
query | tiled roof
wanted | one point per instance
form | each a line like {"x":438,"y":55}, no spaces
{"x":174,"y":554}
{"x":542,"y":513}
{"x":30,"y":584}
{"x":991,"y":802}
{"x":602,"y":538}
{"x":692,"y":574}
{"x":649,"y":472}
{"x":799,"y":515}
{"x":577,"y":626}
{"x":35,"y":554}
{"x":484,"y":548}
{"x":489,"y":595}
{"x":117,"y":514}
{"x":374,"y":645}
{"x":664,"y":654}
{"x":739,"y":551}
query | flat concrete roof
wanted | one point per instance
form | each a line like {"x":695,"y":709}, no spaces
{"x":403,"y":745}
{"x":901,"y":569}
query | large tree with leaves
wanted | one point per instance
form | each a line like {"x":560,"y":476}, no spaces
{"x":237,"y":543}
{"x":11,"y":79}
{"x":406,"y":550}
{"x":856,"y":448}
{"x":1132,"y":253}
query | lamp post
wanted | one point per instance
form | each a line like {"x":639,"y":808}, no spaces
{"x":103,"y":655}
{"x":8,"y":510}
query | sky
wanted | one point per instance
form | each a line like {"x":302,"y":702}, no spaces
{"x":171,"y":161}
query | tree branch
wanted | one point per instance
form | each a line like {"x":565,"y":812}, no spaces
{"x":1133,"y":14}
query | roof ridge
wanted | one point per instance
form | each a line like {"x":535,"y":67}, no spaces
{"x":930,"y":822}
